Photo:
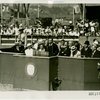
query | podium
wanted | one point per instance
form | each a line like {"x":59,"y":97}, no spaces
{"x":32,"y":73}
{"x":35,"y":73}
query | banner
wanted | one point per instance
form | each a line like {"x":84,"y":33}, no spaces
{"x":76,"y":9}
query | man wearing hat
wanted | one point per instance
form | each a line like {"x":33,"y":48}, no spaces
{"x":53,"y":48}
{"x":86,"y":51}
{"x":95,"y":50}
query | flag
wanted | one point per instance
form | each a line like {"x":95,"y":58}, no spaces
{"x":5,"y":8}
{"x":76,"y":9}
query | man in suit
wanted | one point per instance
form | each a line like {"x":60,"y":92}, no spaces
{"x":86,"y":51}
{"x":53,"y":48}
{"x":95,"y":50}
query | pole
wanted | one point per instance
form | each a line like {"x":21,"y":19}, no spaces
{"x":84,"y":17}
{"x":38,"y":11}
{"x":83,"y":13}
{"x":25,"y":39}
{"x":1,"y":13}
{"x":18,"y":10}
{"x":73,"y":16}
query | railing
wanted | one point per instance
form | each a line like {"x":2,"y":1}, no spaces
{"x":11,"y":39}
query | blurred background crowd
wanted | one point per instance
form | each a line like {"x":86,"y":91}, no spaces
{"x":87,"y":28}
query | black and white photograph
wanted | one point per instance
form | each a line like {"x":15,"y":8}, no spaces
{"x":51,"y":47}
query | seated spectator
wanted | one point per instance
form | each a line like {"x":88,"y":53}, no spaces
{"x":35,"y":45}
{"x":95,"y":41}
{"x":75,"y":32}
{"x":70,"y":32}
{"x":64,"y":49}
{"x":86,"y":25}
{"x":71,"y":26}
{"x":17,"y":48}
{"x":29,"y":50}
{"x":41,"y":48}
{"x":86,"y":51}
{"x":95,"y":50}
{"x":74,"y":52}
{"x":11,"y":30}
{"x":77,"y":44}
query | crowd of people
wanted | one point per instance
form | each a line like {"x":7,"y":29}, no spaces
{"x":56,"y":30}
{"x":83,"y":28}
{"x":64,"y":48}
{"x":88,"y":28}
{"x":48,"y":47}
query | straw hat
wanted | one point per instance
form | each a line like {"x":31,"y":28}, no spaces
{"x":29,"y":44}
{"x":73,"y":48}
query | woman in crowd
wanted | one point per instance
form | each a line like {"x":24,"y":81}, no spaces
{"x":75,"y":52}
{"x":41,"y":47}
{"x":29,"y":50}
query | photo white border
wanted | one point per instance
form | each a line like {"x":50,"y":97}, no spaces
{"x":48,"y":95}
{"x":48,"y":1}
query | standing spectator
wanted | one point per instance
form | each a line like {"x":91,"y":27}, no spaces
{"x":96,"y":26}
{"x":16,"y":31}
{"x":86,"y":51}
{"x":46,"y":45}
{"x":52,"y":48}
{"x":92,"y":28}
{"x":86,"y":27}
{"x":64,"y":49}
{"x":21,"y":35}
{"x":95,"y":50}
